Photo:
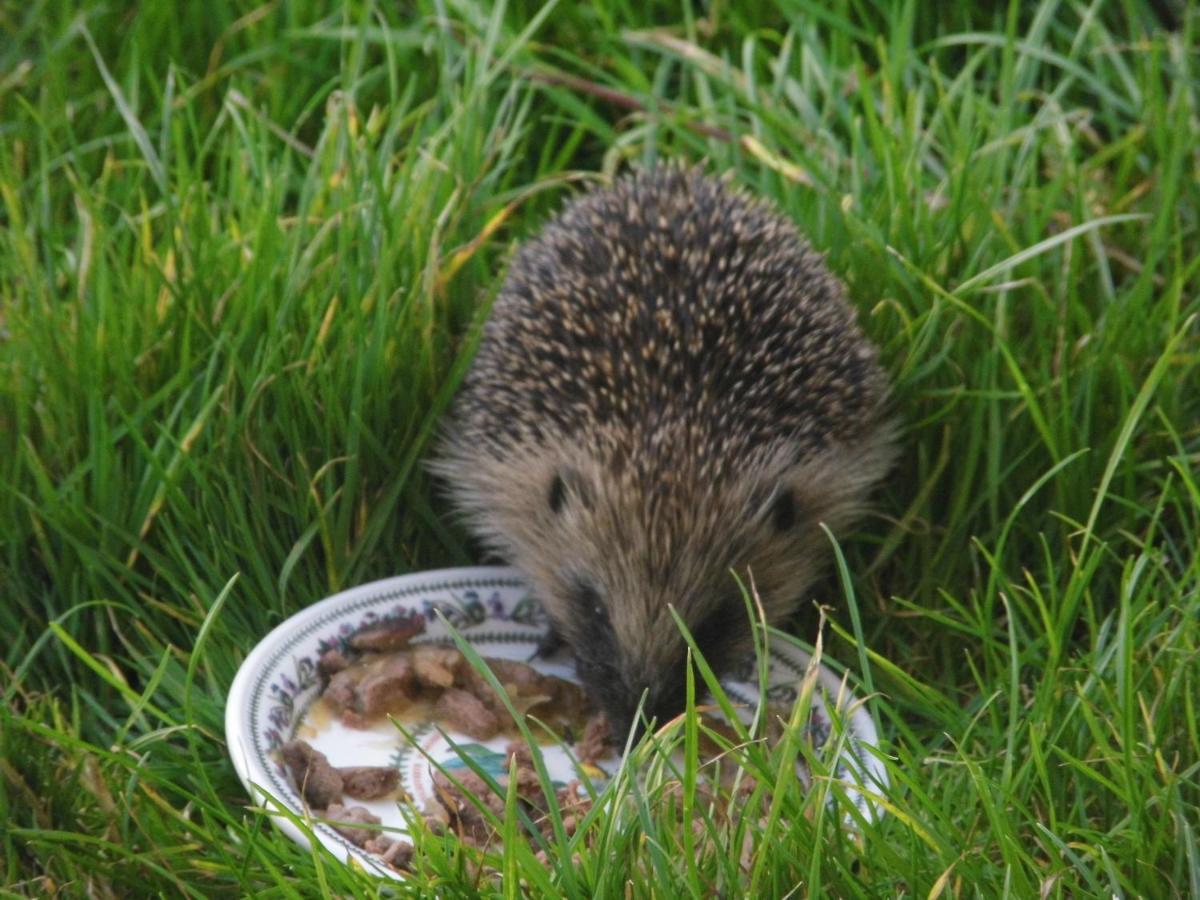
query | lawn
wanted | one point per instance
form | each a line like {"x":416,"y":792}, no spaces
{"x":243,"y":248}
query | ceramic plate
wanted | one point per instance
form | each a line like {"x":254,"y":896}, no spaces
{"x":273,"y":693}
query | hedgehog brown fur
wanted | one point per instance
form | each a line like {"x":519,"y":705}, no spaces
{"x":670,"y":386}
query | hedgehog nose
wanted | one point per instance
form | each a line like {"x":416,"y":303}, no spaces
{"x":658,"y":707}
{"x":625,"y":719}
{"x":622,"y":717}
{"x":662,"y":708}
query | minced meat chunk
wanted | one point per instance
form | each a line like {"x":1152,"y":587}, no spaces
{"x":319,"y":782}
{"x":522,"y":752}
{"x":397,"y":854}
{"x":332,"y":661}
{"x":369,"y":782}
{"x":436,"y":667}
{"x":367,"y":691}
{"x":466,"y":818}
{"x":454,"y":808}
{"x":342,"y":691}
{"x":384,"y":691}
{"x":343,"y":819}
{"x":389,"y":636}
{"x":465,"y":712}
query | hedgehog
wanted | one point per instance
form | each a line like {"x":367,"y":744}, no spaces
{"x":670,"y":390}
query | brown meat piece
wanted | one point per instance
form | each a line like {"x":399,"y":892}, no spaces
{"x":673,"y":793}
{"x":467,"y":820}
{"x":369,"y":782}
{"x":572,"y":801}
{"x":529,"y":789}
{"x":436,"y":816}
{"x":524,"y":678}
{"x":381,"y":683}
{"x":466,"y":713}
{"x":521,"y":751}
{"x":474,"y":683}
{"x":342,"y":691}
{"x":387,"y":690}
{"x":525,"y":686}
{"x":332,"y":661}
{"x":475,"y":785}
{"x":343,"y":819}
{"x":399,"y":855}
{"x":388,"y":636}
{"x":396,"y":665}
{"x":462,"y":813}
{"x":561,"y":704}
{"x":568,"y":703}
{"x":595,"y":743}
{"x":352,"y":719}
{"x":379,"y":844}
{"x":572,"y":804}
{"x":370,"y":690}
{"x":436,"y":667}
{"x":319,"y":782}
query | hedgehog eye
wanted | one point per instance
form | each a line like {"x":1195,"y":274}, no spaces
{"x":565,"y":483}
{"x":587,"y":600}
{"x":558,"y":494}
{"x":783,"y":511}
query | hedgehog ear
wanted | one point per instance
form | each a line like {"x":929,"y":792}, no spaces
{"x":566,"y":482}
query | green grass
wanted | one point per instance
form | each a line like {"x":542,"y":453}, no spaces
{"x":242,"y":248}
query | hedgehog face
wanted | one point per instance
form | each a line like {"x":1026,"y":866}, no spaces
{"x":629,"y":550}
{"x":610,"y":554}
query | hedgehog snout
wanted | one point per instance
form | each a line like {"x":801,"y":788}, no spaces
{"x":638,"y":700}
{"x":634,"y":704}
{"x":621,"y":687}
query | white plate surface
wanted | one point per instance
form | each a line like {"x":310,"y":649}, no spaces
{"x":492,"y":608}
